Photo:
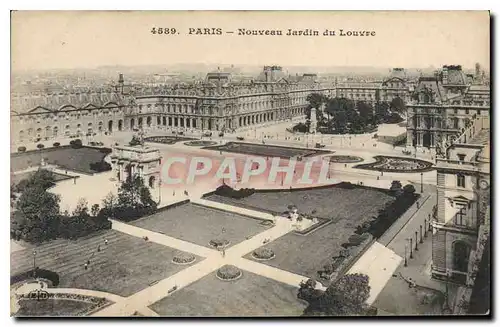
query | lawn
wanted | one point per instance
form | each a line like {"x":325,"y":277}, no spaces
{"x":51,"y":307}
{"x":125,"y":266}
{"x":250,"y":296}
{"x":265,"y":150}
{"x":65,"y":157}
{"x":199,"y":224}
{"x":337,"y":201}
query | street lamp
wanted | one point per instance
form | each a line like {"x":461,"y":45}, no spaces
{"x":425,"y":227}
{"x":411,"y":248}
{"x":421,"y":240}
{"x":406,"y":260}
{"x":34,"y":263}
{"x":416,"y":241}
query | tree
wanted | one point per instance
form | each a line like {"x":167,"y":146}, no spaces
{"x":134,"y":200}
{"x":396,"y":188}
{"x":316,"y":100}
{"x":397,"y":105}
{"x":410,"y":189}
{"x":346,"y":297}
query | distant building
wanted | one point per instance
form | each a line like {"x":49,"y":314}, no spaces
{"x":442,"y":106}
{"x":463,"y":202}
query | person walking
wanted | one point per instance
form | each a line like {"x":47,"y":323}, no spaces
{"x":86,"y":266}
{"x":106,"y":242}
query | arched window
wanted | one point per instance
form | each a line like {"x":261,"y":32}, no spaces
{"x":461,"y":252}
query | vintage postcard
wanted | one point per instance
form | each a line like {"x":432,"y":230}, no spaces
{"x":250,"y":163}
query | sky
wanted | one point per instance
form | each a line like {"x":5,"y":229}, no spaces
{"x":86,"y":39}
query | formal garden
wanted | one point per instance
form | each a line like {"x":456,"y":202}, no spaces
{"x":75,"y":157}
{"x":205,"y":226}
{"x":265,"y":150}
{"x":353,"y":216}
{"x":397,"y":165}
{"x":346,"y":116}
{"x":248,"y":295}
{"x":123,"y":265}
{"x":344,"y":159}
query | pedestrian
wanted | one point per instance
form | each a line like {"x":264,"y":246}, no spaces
{"x":173,"y":193}
{"x":98,"y":248}
{"x":418,"y":205}
{"x":86,"y":266}
{"x":223,"y":253}
{"x":223,"y":230}
{"x":345,"y":165}
{"x":106,"y":242}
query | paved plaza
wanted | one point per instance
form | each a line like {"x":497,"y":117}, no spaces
{"x":188,"y":228}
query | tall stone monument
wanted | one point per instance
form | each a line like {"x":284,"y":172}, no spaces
{"x":313,"y":121}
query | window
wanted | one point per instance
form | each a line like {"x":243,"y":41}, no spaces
{"x":455,"y":111}
{"x":460,"y":180}
{"x":466,"y":111}
{"x":455,"y":122}
{"x":461,"y":156}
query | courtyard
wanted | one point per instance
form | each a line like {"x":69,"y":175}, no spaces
{"x":125,"y":266}
{"x":265,"y":150}
{"x":200,"y":225}
{"x":346,"y":206}
{"x":66,"y":157}
{"x":250,"y":296}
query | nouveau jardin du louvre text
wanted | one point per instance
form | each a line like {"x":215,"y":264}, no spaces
{"x":264,"y":32}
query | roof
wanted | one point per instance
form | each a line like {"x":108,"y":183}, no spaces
{"x":55,"y":102}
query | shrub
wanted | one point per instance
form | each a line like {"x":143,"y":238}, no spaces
{"x":184,"y":258}
{"x":227,"y":191}
{"x":228,"y":272}
{"x":21,"y":149}
{"x":42,"y":273}
{"x":40,"y":146}
{"x":100,"y":166}
{"x":56,"y":144}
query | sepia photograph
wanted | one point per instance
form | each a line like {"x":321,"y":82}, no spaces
{"x":250,"y":164}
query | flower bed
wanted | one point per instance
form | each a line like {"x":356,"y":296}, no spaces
{"x":166,"y":139}
{"x":263,"y":254}
{"x":183,"y":259}
{"x":228,"y":272}
{"x":200,"y":143}
{"x":219,"y":243}
{"x":345,"y":159}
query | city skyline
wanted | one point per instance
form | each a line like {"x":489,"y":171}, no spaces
{"x":89,"y":40}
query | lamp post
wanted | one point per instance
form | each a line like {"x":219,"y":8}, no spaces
{"x":406,"y":260}
{"x":416,"y":241}
{"x":34,"y":263}
{"x":425,"y":227}
{"x":446,"y":306}
{"x":411,"y":248}
{"x":421,"y":182}
{"x":430,"y":223}
{"x":421,"y":240}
